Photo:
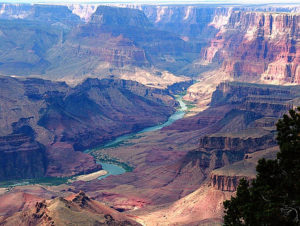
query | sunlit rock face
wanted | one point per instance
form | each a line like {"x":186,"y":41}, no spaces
{"x":190,"y":22}
{"x":247,"y":43}
{"x":74,"y":209}
{"x":258,"y":44}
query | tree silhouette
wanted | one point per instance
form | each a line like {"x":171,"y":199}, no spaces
{"x":273,"y":198}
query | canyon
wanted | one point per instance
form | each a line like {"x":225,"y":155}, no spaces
{"x":75,"y":77}
{"x":44,"y":121}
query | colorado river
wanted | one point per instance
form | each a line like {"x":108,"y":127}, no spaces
{"x":113,"y":169}
{"x":177,"y":115}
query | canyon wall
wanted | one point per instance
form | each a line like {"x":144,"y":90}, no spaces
{"x":43,"y":122}
{"x":247,"y":43}
{"x":238,"y":125}
{"x":261,"y":46}
{"x":227,"y":178}
{"x":39,"y":12}
{"x":21,"y":158}
{"x":266,"y":99}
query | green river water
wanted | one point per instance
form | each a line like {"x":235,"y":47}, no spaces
{"x":114,"y":169}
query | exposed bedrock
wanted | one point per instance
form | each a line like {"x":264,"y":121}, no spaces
{"x":226,"y":183}
{"x":268,"y":100}
{"x":227,"y":178}
{"x":242,"y":145}
{"x":47,"y":123}
{"x":258,"y":45}
{"x":74,"y":209}
{"x":21,"y":157}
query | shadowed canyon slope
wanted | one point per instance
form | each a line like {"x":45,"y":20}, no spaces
{"x":176,"y":161}
{"x":42,"y":122}
{"x":114,"y":70}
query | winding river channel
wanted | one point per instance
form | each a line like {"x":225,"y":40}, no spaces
{"x":113,"y":169}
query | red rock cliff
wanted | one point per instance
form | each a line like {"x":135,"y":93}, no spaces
{"x":258,"y":44}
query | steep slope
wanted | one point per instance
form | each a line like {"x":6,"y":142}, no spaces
{"x":202,"y":207}
{"x":258,"y":46}
{"x":43,"y":122}
{"x":145,"y":43}
{"x":21,"y":157}
{"x":77,"y":209}
{"x":172,"y":163}
{"x":28,"y":32}
{"x":114,"y":41}
{"x":14,"y":202}
{"x":24,"y":45}
{"x":227,"y":178}
{"x":121,"y":42}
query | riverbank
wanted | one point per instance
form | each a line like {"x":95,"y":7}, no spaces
{"x":124,"y":140}
{"x":88,"y":177}
{"x":112,"y":166}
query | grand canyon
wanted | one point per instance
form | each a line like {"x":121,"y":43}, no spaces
{"x":139,"y":114}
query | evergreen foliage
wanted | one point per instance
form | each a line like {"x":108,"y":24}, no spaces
{"x":273,"y":197}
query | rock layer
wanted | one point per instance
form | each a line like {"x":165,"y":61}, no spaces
{"x":258,"y":45}
{"x":65,"y":120}
{"x":75,"y":209}
{"x":21,"y":157}
{"x":228,"y":177}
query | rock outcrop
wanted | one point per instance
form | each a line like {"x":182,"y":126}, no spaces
{"x":53,"y":14}
{"x":76,"y":209}
{"x":21,"y":158}
{"x":14,"y":202}
{"x":226,"y":183}
{"x":227,"y":178}
{"x":239,"y":144}
{"x":258,"y":46}
{"x":113,"y":42}
{"x":42,"y":122}
{"x":267,"y":99}
{"x":249,"y":43}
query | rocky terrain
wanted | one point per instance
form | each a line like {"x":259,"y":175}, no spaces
{"x":227,"y":178}
{"x":42,"y":122}
{"x":76,"y":209}
{"x":176,"y":161}
{"x":154,"y":45}
{"x":113,"y":70}
{"x":273,"y":40}
{"x":21,"y":157}
{"x":59,"y":45}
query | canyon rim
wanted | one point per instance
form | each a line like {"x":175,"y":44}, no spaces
{"x":170,"y":104}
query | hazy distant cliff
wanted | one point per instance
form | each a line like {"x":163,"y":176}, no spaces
{"x":258,"y":44}
{"x":75,"y":41}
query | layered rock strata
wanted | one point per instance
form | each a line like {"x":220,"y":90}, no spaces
{"x":42,"y":122}
{"x":258,"y":46}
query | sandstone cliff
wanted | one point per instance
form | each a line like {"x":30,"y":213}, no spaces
{"x":248,"y":43}
{"x":227,"y":178}
{"x":258,"y":46}
{"x":65,"y":119}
